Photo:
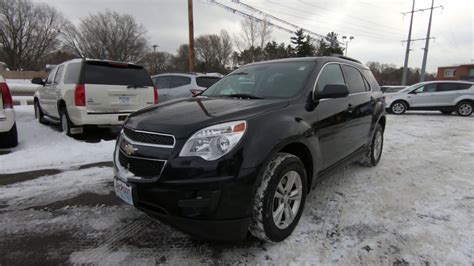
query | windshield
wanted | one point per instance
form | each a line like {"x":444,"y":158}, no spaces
{"x":275,"y":80}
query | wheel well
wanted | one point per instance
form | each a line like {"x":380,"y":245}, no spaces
{"x":61,"y":104}
{"x":465,"y":100}
{"x":382,"y":122}
{"x":301,"y":151}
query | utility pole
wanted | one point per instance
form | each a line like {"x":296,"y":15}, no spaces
{"x":427,"y":44}
{"x":407,"y":52}
{"x":191,"y":36}
{"x":347,"y":43}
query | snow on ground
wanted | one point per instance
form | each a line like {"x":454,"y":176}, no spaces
{"x":42,"y":146}
{"x":416,"y":206}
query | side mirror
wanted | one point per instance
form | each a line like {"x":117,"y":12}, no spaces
{"x":38,"y":81}
{"x":332,"y":91}
{"x":413,"y":92}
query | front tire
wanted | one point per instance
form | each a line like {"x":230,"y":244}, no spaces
{"x":280,"y":198}
{"x":398,"y":107}
{"x":374,"y":153}
{"x":9,"y":139}
{"x":464,"y":108}
{"x":39,"y":113}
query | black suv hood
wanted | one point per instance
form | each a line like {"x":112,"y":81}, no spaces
{"x":183,"y":117}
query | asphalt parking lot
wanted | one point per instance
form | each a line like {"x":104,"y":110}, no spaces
{"x":416,"y":206}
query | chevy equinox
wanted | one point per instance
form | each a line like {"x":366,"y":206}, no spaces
{"x":243,"y":155}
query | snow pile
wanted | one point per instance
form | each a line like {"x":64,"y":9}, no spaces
{"x":42,"y":146}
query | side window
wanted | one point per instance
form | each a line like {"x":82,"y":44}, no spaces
{"x":464,"y":86}
{"x":50,"y":78}
{"x":73,"y":73}
{"x":331,"y":74}
{"x":446,"y":87}
{"x":59,"y":74}
{"x":354,"y":80}
{"x":177,"y":81}
{"x":163,"y":82}
{"x":426,"y":88}
{"x":366,"y":83}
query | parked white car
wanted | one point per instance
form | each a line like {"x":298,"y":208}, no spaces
{"x":444,"y":96}
{"x":181,"y":85}
{"x":8,"y":133}
{"x":83,"y":92}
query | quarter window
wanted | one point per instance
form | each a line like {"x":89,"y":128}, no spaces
{"x":73,"y":73}
{"x":330,"y":75}
{"x":59,"y":74}
{"x":354,"y":80}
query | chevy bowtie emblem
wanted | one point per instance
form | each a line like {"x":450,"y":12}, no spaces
{"x":129,"y":149}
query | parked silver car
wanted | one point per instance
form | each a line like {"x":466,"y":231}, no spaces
{"x":181,"y":85}
{"x":444,"y":96}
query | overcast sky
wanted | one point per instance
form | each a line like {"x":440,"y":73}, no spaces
{"x":377,"y":25}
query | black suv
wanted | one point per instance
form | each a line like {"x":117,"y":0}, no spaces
{"x":244,"y":154}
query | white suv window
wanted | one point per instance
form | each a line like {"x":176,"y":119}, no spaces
{"x":59,"y":74}
{"x":50,"y":78}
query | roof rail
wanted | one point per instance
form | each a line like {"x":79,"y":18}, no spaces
{"x":347,"y":58}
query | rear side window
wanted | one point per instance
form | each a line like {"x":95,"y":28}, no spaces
{"x":464,"y":86}
{"x":73,"y":73}
{"x":178,"y":81}
{"x":59,"y":74}
{"x":447,"y":87}
{"x":330,"y":75}
{"x":354,"y":80}
{"x":206,"y":82}
{"x":162,"y":82}
{"x":116,"y":74}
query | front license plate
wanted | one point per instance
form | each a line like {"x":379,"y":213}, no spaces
{"x":123,"y":191}
{"x":124,"y":99}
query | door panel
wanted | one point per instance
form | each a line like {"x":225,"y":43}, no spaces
{"x":423,"y":96}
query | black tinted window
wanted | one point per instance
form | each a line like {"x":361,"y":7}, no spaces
{"x":73,"y":73}
{"x":163,"y":82}
{"x":447,"y":87}
{"x":177,"y":81}
{"x":206,"y":82}
{"x":59,"y":73}
{"x":330,"y":75}
{"x":116,"y":74}
{"x":354,"y":80}
{"x":464,"y":86}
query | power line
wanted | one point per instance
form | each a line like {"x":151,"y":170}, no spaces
{"x":369,"y":21}
{"x":325,"y":15}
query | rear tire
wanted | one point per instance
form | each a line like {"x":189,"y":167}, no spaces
{"x":66,"y":123}
{"x":9,"y":139}
{"x":398,"y":107}
{"x":39,"y":113}
{"x":280,"y":198}
{"x":464,"y":108}
{"x":374,"y":153}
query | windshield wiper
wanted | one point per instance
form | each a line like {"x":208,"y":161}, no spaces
{"x":242,"y":95}
{"x":239,"y":73}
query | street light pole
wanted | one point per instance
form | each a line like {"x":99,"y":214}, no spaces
{"x":347,"y":41}
{"x":191,"y":36}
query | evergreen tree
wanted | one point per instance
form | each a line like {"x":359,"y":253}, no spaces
{"x":329,"y":45}
{"x":303,"y":44}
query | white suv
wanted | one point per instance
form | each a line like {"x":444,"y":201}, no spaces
{"x":83,"y":92}
{"x":445,"y":96}
{"x":8,"y":133}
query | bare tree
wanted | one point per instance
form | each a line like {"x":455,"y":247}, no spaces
{"x":28,"y":32}
{"x":213,"y":51}
{"x":108,"y":35}
{"x":255,"y":33}
{"x":157,"y":62}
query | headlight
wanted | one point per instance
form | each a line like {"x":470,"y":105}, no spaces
{"x":211,"y":143}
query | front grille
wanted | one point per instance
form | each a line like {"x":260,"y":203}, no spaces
{"x":141,"y":167}
{"x":149,"y":137}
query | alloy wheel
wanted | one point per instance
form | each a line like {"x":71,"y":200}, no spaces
{"x":377,"y":144}
{"x":398,"y":108}
{"x":465,"y":109}
{"x":287,"y":199}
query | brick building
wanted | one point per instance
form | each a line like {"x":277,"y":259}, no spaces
{"x":460,"y":72}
